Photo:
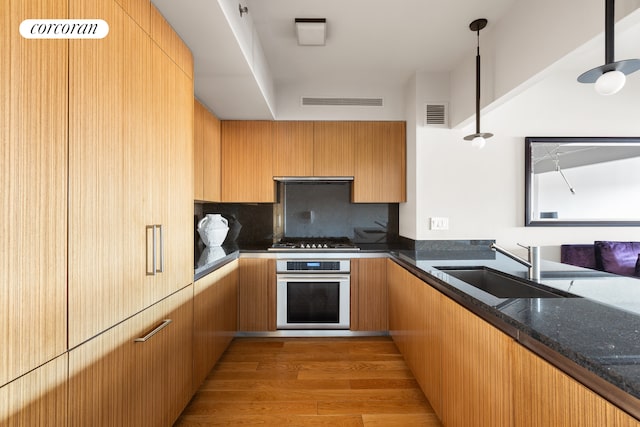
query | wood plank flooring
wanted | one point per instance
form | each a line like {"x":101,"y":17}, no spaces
{"x":310,"y":382}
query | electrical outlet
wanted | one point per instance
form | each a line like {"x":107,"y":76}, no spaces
{"x":439,"y":223}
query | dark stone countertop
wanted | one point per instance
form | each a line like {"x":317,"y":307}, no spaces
{"x":599,"y":330}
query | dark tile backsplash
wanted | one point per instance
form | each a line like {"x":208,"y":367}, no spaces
{"x":304,"y":210}
{"x":312,"y":209}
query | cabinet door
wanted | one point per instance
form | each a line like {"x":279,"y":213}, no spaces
{"x":333,"y":149}
{"x":293,"y":149}
{"x":38,"y":398}
{"x":416,"y":327}
{"x":476,"y":370}
{"x":198,"y":150}
{"x":257,"y":294}
{"x":115,"y":379}
{"x":212,"y":161}
{"x":107,"y":177}
{"x":33,"y":177}
{"x":380,"y":159}
{"x":369,"y":305}
{"x":215,"y":318}
{"x":247,"y":166}
{"x":546,"y":396}
{"x":178,"y":189}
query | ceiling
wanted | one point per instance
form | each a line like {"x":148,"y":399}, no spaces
{"x":241,"y":64}
{"x":368,"y":41}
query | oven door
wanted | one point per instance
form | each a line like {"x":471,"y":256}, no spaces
{"x":313,"y":301}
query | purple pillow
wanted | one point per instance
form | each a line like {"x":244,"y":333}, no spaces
{"x":638,"y":266}
{"x":618,"y":257}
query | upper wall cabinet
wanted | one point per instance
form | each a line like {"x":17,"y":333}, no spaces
{"x":247,"y":162}
{"x":380,"y":162}
{"x":206,"y":155}
{"x":333,"y":148}
{"x":293,"y":149}
{"x":371,"y":152}
{"x":33,"y":177}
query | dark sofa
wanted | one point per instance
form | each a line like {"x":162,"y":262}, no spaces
{"x":621,"y":258}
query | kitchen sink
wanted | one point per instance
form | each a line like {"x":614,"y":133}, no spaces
{"x":502,"y":285}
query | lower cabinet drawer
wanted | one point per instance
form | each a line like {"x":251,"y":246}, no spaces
{"x":138,"y":372}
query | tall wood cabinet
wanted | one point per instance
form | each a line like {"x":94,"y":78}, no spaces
{"x":207,"y":155}
{"x":215,"y":312}
{"x":33,"y":177}
{"x":130,"y":173}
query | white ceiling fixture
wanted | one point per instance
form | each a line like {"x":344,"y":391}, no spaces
{"x":311,"y":31}
{"x":478,"y":139}
{"x":610,"y":77}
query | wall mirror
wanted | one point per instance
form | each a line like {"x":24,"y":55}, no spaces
{"x":582,"y":181}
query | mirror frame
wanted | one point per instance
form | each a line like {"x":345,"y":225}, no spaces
{"x":528,"y":182}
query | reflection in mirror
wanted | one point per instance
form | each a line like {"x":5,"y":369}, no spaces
{"x":582,"y":181}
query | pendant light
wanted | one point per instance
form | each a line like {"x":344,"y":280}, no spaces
{"x":610,"y":77}
{"x":478,"y":139}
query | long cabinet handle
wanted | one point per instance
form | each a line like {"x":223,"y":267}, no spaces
{"x":150,"y":270}
{"x":153,"y":246}
{"x":160,"y":327}
{"x":161,"y":269}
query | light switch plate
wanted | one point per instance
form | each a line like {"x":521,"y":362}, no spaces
{"x":439,"y":223}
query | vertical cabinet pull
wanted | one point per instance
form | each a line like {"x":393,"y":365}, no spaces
{"x":160,"y":327}
{"x":161,"y":269}
{"x":156,"y":267}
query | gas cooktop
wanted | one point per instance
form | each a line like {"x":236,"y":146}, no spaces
{"x":314,"y":244}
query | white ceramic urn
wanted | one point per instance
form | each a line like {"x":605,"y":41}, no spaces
{"x":213,"y":229}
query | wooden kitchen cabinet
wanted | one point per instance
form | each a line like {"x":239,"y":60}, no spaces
{"x":257,"y":294}
{"x":33,"y":161}
{"x":247,"y":161}
{"x":293,"y":148}
{"x":333,"y":148}
{"x":37,"y":398}
{"x":380,"y":162}
{"x":130,"y":168}
{"x":415,"y":323}
{"x":369,"y":295}
{"x":476,"y":370}
{"x":545,"y":396}
{"x":206,"y":156}
{"x":215,"y":312}
{"x":116,"y":380}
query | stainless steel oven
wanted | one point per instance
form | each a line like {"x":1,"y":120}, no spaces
{"x":313,"y":293}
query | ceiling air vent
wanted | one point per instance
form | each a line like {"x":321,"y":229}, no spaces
{"x":435,"y":114}
{"x":342,"y":102}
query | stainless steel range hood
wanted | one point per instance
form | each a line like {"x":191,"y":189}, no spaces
{"x":313,"y":178}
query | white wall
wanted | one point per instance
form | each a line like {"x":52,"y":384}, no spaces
{"x":482,"y":191}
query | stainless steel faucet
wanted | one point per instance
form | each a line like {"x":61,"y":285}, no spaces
{"x":533,"y":263}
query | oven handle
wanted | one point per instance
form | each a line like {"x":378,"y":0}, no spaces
{"x":311,"y":277}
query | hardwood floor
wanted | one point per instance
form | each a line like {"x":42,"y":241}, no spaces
{"x":310,"y":382}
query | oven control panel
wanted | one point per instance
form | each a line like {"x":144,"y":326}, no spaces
{"x":313,"y":266}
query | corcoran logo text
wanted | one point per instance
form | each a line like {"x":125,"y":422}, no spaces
{"x":64,"y":29}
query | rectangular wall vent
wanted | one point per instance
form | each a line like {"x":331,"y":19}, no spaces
{"x":342,"y":102}
{"x":435,"y":114}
